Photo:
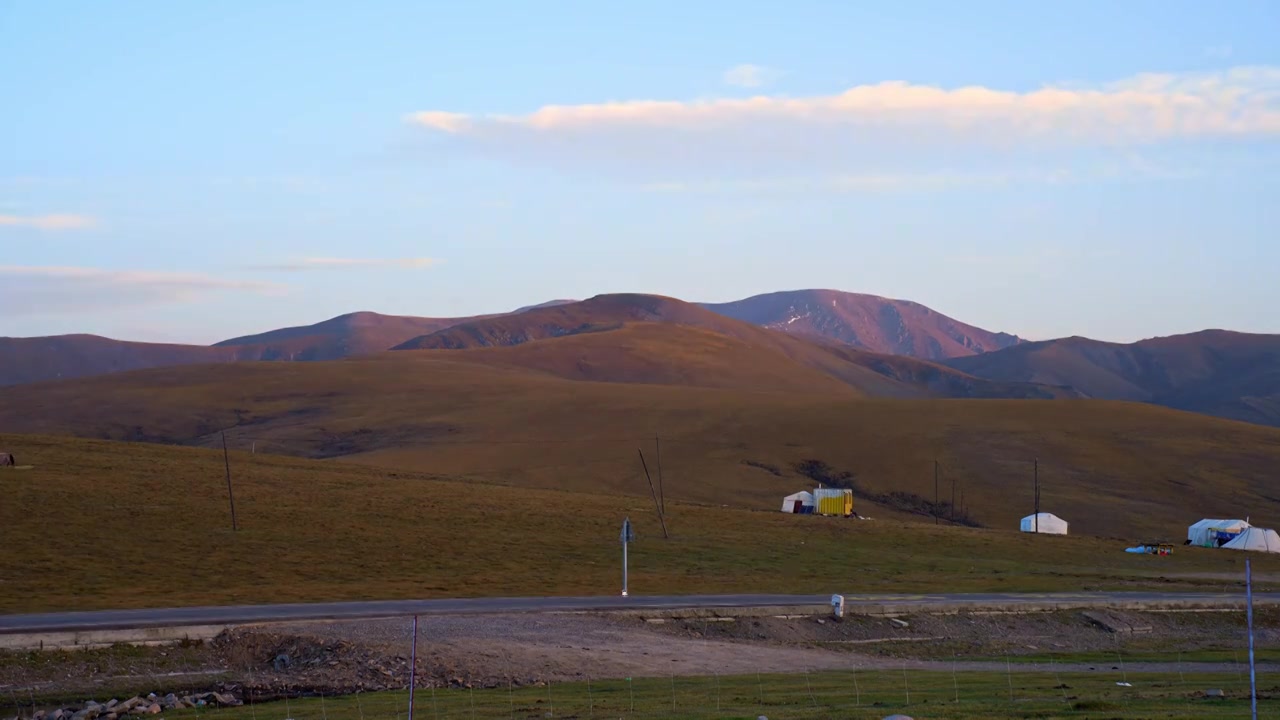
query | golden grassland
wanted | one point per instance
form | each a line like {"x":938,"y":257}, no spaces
{"x":1123,"y":470}
{"x":99,"y":524}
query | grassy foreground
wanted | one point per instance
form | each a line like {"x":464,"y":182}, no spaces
{"x":97,"y":524}
{"x":801,"y":696}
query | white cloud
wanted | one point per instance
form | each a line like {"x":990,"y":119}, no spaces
{"x":1218,"y":52}
{"x":329,"y":263}
{"x":47,"y":222}
{"x":888,"y":128}
{"x":750,"y":76}
{"x":35,"y":290}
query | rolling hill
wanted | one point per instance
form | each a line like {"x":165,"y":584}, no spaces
{"x":37,"y":359}
{"x":359,"y":333}
{"x":26,"y":360}
{"x":312,"y":531}
{"x":683,"y":338}
{"x":1116,"y":469}
{"x":1227,"y":374}
{"x":867,"y":322}
{"x":824,"y":334}
{"x":602,"y":312}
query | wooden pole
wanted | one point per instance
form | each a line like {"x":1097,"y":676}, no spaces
{"x":662,"y":495}
{"x":935,"y":492}
{"x":656,"y":505}
{"x":231,"y":498}
{"x":1037,"y":481}
{"x":953,"y":497}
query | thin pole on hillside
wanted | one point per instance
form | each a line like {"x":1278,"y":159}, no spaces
{"x":656,"y":506}
{"x":231,"y":498}
{"x":953,"y":497}
{"x":1037,"y":487}
{"x":413,"y":665}
{"x":662,"y":495}
{"x":935,"y":492}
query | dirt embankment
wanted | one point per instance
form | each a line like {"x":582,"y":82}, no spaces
{"x":267,"y":662}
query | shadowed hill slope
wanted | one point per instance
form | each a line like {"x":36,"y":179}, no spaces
{"x":602,"y":312}
{"x":359,"y":333}
{"x":1108,"y":468}
{"x":25,"y":360}
{"x":1228,"y":374}
{"x":867,"y":322}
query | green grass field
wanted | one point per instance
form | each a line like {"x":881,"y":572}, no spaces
{"x":98,"y":524}
{"x":800,"y":696}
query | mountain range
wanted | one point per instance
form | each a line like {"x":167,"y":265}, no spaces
{"x":799,"y":341}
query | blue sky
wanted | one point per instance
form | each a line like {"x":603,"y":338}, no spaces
{"x":194,"y":171}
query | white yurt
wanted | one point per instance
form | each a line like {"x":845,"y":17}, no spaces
{"x":801,"y":502}
{"x":1205,"y":532}
{"x":1045,"y":524}
{"x":1256,"y":539}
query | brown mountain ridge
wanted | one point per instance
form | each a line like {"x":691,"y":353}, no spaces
{"x":866,"y":322}
{"x":632,"y":337}
{"x":1217,"y":372}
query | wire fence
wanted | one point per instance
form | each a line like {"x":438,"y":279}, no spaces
{"x":1032,"y":690}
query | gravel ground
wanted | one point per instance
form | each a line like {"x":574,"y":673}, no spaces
{"x":565,"y":647}
{"x":490,"y":650}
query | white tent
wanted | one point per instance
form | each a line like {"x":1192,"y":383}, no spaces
{"x":1205,"y":532}
{"x":1257,"y":539}
{"x":798,"y":502}
{"x":1044,"y":523}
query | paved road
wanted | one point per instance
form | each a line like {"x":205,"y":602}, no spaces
{"x":243,"y":614}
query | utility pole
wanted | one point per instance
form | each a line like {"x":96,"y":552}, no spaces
{"x":662,"y":495}
{"x":656,"y":505}
{"x":953,"y":497}
{"x":231,"y":498}
{"x":1037,"y":489}
{"x":935,"y":492}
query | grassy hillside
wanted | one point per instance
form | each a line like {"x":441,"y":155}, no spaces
{"x":1228,"y":374}
{"x":604,"y":316}
{"x":99,"y":525}
{"x":25,"y":360}
{"x":657,"y":354}
{"x":359,"y":333}
{"x":867,"y":322}
{"x":1115,"y":469}
{"x":598,"y":313}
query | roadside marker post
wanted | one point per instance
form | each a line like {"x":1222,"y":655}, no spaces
{"x":627,"y":536}
{"x":1253,"y":675}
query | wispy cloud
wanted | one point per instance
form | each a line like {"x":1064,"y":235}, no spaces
{"x":48,"y":222}
{"x":891,"y":127}
{"x":750,"y":76}
{"x":1218,"y":52}
{"x":329,"y":263}
{"x":34,"y":290}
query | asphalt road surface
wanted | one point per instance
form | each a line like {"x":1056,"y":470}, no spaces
{"x":244,"y":614}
